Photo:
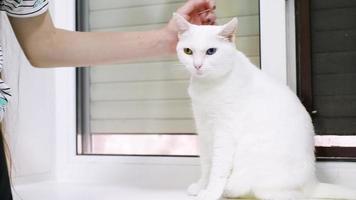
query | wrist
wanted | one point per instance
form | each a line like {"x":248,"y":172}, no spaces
{"x":169,"y":37}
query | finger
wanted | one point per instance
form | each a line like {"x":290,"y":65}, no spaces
{"x":212,"y":4}
{"x":195,"y":18}
{"x":193,"y":6}
{"x":203,"y":17}
{"x":210,"y":18}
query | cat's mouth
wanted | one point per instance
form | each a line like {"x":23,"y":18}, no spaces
{"x":200,"y":73}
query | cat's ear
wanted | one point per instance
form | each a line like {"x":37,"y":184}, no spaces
{"x":229,"y":29}
{"x":182,"y":24}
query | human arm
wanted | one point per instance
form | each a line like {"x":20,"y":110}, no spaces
{"x":47,"y":46}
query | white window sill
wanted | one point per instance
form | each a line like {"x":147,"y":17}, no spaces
{"x":93,"y":191}
{"x":85,"y":191}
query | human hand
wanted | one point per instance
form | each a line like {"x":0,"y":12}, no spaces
{"x":200,"y":12}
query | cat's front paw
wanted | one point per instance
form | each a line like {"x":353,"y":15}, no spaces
{"x":208,"y":195}
{"x":195,"y":188}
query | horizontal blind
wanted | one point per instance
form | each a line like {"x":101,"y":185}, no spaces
{"x":333,"y":29}
{"x":151,"y":97}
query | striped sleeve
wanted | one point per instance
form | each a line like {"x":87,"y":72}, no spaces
{"x":24,"y":8}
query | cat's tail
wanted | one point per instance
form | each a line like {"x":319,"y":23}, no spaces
{"x":330,"y":191}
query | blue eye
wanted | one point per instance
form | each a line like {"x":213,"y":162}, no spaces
{"x":211,"y":51}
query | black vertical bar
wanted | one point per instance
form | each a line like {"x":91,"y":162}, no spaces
{"x":304,"y":67}
{"x":83,"y":83}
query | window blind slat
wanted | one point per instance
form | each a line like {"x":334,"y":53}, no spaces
{"x":139,"y":72}
{"x":160,"y":109}
{"x":249,"y":45}
{"x":112,"y":4}
{"x":140,"y":90}
{"x":152,"y":14}
{"x":142,"y":126}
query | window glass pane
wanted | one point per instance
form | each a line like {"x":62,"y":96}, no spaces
{"x":148,"y":144}
{"x":333,"y":34}
{"x":147,"y":101}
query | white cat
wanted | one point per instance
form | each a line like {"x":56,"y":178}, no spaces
{"x":256,"y":138}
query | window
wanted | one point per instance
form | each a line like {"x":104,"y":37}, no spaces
{"x":142,"y":108}
{"x":326,"y":61}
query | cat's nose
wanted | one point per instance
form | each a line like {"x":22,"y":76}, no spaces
{"x":197,"y":66}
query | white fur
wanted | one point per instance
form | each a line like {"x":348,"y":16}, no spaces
{"x":256,"y":138}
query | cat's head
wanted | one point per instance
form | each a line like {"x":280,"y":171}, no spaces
{"x":206,"y":51}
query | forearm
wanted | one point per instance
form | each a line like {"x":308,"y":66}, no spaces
{"x":83,"y":49}
{"x":46,"y":46}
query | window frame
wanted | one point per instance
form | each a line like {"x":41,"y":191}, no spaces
{"x":121,"y":171}
{"x":84,"y":139}
{"x":304,"y":76}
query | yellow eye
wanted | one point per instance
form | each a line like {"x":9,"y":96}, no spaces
{"x":188,"y":51}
